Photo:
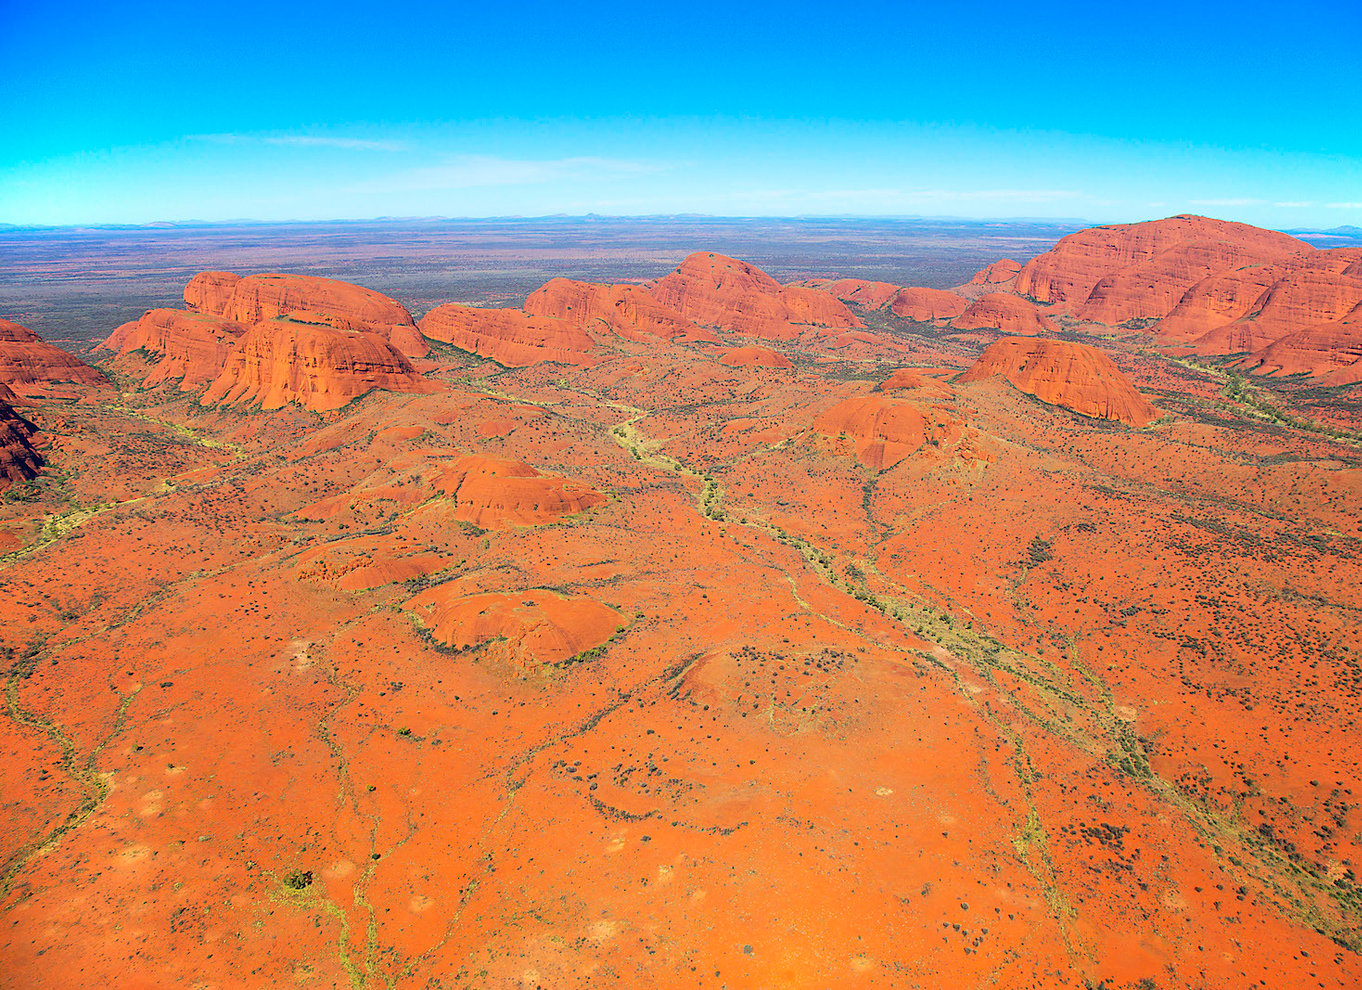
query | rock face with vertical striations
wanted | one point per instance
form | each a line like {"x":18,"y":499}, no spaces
{"x":19,"y":459}
{"x":1005,"y":313}
{"x":1329,"y":352}
{"x":31,"y":366}
{"x":734,"y":297}
{"x":923,"y":305}
{"x":509,"y":336}
{"x":1062,"y":373}
{"x":345,"y":306}
{"x":1140,"y":271}
{"x":316,"y":366}
{"x":628,"y":311}
{"x":186,"y":346}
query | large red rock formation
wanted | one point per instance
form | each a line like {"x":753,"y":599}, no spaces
{"x":19,"y":460}
{"x":509,"y":336}
{"x":190,"y":347}
{"x":754,"y":357}
{"x":884,"y":430}
{"x":317,"y":366}
{"x":1315,"y":289}
{"x":1010,"y":314}
{"x":528,"y":628}
{"x":30,"y":365}
{"x":921,"y":304}
{"x":493,"y":493}
{"x":340,"y":304}
{"x":733,"y":296}
{"x":1062,"y":373}
{"x":1124,"y":272}
{"x":1331,"y":352}
{"x":630,"y":311}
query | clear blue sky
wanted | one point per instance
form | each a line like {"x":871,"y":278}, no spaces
{"x":134,"y":112}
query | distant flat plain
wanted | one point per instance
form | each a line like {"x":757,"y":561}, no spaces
{"x":74,"y":285}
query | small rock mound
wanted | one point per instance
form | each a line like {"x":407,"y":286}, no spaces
{"x":1062,"y":373}
{"x":317,"y":366}
{"x":755,"y":357}
{"x":1009,"y":314}
{"x":189,"y":347}
{"x":629,"y":311}
{"x":734,"y":297}
{"x":31,"y":366}
{"x":911,"y":379}
{"x":998,"y":276}
{"x":923,"y":305}
{"x":493,"y":493}
{"x":884,"y":430}
{"x":859,"y":292}
{"x":509,"y":337}
{"x":528,"y":628}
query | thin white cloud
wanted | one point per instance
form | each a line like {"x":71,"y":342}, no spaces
{"x":301,"y":141}
{"x":1234,"y":201}
{"x":1296,"y":204}
{"x":1345,"y":206}
{"x":481,"y":171}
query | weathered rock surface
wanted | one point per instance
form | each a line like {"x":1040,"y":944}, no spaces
{"x":19,"y":459}
{"x":509,"y":336}
{"x":629,"y":311}
{"x":1009,"y":314}
{"x":30,"y":365}
{"x":1331,"y":352}
{"x":187,"y":346}
{"x":1124,"y":272}
{"x":859,"y":292}
{"x":1067,"y":374}
{"x":316,"y":366}
{"x":313,"y":299}
{"x":884,"y":430}
{"x":737,"y":298}
{"x":922,"y":305}
{"x":529,"y":628}
{"x":493,"y":493}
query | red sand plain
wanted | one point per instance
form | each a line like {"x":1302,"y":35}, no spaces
{"x":654,"y":667}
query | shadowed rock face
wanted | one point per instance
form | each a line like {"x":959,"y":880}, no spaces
{"x":629,"y":311}
{"x":19,"y":460}
{"x":342,"y":305}
{"x":29,"y":364}
{"x":1009,"y":314}
{"x":1075,"y":376}
{"x":317,"y":366}
{"x":1140,"y":271}
{"x":509,"y":336}
{"x":1330,"y":352}
{"x":737,"y":298}
{"x":189,"y":347}
{"x":754,"y":357}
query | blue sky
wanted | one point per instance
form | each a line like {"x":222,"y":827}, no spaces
{"x":137,"y":112}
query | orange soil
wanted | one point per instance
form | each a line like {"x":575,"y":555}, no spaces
{"x":981,"y":694}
